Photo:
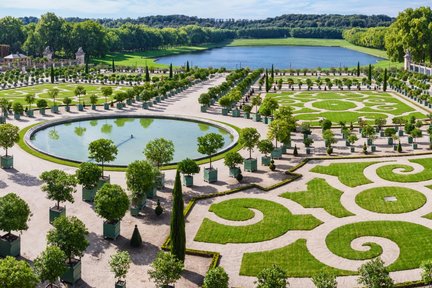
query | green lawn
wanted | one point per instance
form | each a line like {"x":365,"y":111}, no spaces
{"x":376,"y":105}
{"x":414,"y":241}
{"x":374,"y":200}
{"x":386,"y":172}
{"x":350,"y":174}
{"x":318,"y":42}
{"x":141,"y":59}
{"x":295,"y":259}
{"x":320,"y":194}
{"x":277,"y":221}
{"x":66,"y":90}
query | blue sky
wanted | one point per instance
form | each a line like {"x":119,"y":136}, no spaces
{"x":239,"y":9}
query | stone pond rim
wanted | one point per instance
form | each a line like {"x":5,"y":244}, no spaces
{"x":67,"y":120}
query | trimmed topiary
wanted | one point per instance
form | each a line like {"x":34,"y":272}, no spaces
{"x":136,"y":240}
{"x":158,"y":209}
{"x":295,"y":152}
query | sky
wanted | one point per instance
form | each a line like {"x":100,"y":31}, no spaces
{"x":238,"y":9}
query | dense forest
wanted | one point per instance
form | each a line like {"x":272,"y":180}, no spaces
{"x":100,"y":36}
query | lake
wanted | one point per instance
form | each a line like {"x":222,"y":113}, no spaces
{"x":264,"y":56}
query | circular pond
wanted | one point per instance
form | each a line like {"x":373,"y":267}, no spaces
{"x":69,"y":139}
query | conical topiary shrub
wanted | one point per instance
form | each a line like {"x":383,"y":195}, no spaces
{"x":295,"y":153}
{"x":158,"y":209}
{"x":136,"y":240}
{"x":399,"y":147}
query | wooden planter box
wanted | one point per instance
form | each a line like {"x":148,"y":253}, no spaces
{"x":54,"y":213}
{"x":410,"y":140}
{"x":2,"y":119}
{"x":250,"y":165}
{"x":265,"y":160}
{"x":224,"y":111}
{"x":246,"y":115}
{"x":73,"y":272}
{"x":88,"y":195}
{"x":30,"y":113}
{"x":203,"y":108}
{"x":415,"y":146}
{"x":106,"y":106}
{"x":160,"y":181}
{"x":235,"y":113}
{"x":145,"y":105}
{"x":390,"y":141}
{"x":119,"y":106}
{"x":352,"y":149}
{"x":210,"y":175}
{"x":54,"y":109}
{"x":10,"y":245}
{"x":80,"y":107}
{"x":67,"y":108}
{"x":120,"y":284}
{"x":129,"y":101}
{"x":42,"y":111}
{"x":111,"y":230}
{"x":188,"y":180}
{"x":151,"y":192}
{"x":93,"y":107}
{"x":276,"y":153}
{"x":234,"y":171}
{"x":17,"y":116}
{"x":256,"y":117}
{"x":6,"y":162}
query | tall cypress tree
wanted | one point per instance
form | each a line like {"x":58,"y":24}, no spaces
{"x":385,"y":80}
{"x":52,"y":74}
{"x":358,"y":69}
{"x":87,"y":64}
{"x":370,"y":73}
{"x":170,"y":71}
{"x":113,"y":66}
{"x":272,"y":73}
{"x":267,"y":83}
{"x":178,"y":231}
{"x":147,"y":74}
{"x":187,"y":66}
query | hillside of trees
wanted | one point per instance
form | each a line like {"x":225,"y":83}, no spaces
{"x":100,"y":36}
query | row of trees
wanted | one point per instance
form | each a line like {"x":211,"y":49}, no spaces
{"x":371,"y":37}
{"x":96,"y":40}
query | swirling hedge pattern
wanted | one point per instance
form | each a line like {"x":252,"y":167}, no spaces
{"x":277,"y":221}
{"x":387,"y":172}
{"x":414,"y":241}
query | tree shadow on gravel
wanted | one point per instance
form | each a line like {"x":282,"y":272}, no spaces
{"x":23,"y":179}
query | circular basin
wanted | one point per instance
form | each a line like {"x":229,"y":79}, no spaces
{"x":69,"y":138}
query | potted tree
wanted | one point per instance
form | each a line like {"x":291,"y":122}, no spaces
{"x":53,"y":93}
{"x":89,"y":175}
{"x":103,"y":151}
{"x":249,"y":138}
{"x":9,"y":135}
{"x":265,"y":147}
{"x":14,"y":215}
{"x":18,"y":110}
{"x":79,"y":91}
{"x":416,"y":133}
{"x":165,"y":269}
{"x":30,"y":99}
{"x":204,"y":100}
{"x":49,"y":266}
{"x":69,"y":234}
{"x":41,"y":104}
{"x":17,"y":273}
{"x":67,"y":101}
{"x":111,"y":203}
{"x":308,"y":142}
{"x":390,"y":133}
{"x":246,"y":111}
{"x":159,"y":152}
{"x":256,"y":101}
{"x":208,"y":145}
{"x":59,"y":187}
{"x":119,"y":264}
{"x":370,"y":133}
{"x":93,"y":101}
{"x":231,"y":160}
{"x":188,"y":167}
{"x":141,"y":181}
{"x":278,"y":130}
{"x":329,"y":139}
{"x":106,"y":92}
{"x":226,"y":103}
{"x":352,"y":138}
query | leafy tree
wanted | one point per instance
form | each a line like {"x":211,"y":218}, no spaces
{"x":17,"y":108}
{"x":373,"y":274}
{"x":111,"y":202}
{"x":210,"y":144}
{"x":9,"y":135}
{"x":159,"y":151}
{"x":324,"y":280}
{"x":426,"y":273}
{"x":102,"y":151}
{"x":17,"y":273}
{"x":329,"y":138}
{"x":119,"y":264}
{"x":30,"y":99}
{"x":265,"y":146}
{"x":59,"y":186}
{"x":14,"y":213}
{"x":380,"y":122}
{"x":274,"y":277}
{"x":67,"y":101}
{"x":80,"y":90}
{"x":106,"y":92}
{"x":12,"y":32}
{"x":256,"y":101}
{"x":69,"y":234}
{"x":166,"y":269}
{"x":178,"y":230}
{"x":216,"y":278}
{"x":88,"y":175}
{"x":249,"y":138}
{"x":278,"y":130}
{"x":188,"y":167}
{"x":140,"y":176}
{"x":49,"y":266}
{"x":232,"y":159}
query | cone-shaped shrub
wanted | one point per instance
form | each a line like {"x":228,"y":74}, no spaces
{"x":178,"y":233}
